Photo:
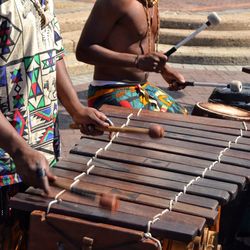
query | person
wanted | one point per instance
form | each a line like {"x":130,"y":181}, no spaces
{"x":122,"y":49}
{"x":33,"y":77}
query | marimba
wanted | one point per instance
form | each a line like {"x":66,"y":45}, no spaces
{"x":177,"y":192}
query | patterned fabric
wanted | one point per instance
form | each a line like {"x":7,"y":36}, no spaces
{"x":28,"y":97}
{"x":145,"y":96}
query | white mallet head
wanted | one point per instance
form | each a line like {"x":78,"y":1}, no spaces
{"x":213,"y":19}
{"x":235,"y":86}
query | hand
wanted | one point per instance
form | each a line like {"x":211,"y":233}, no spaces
{"x":154,"y":62}
{"x":89,"y":118}
{"x":33,"y":168}
{"x":175,"y":80}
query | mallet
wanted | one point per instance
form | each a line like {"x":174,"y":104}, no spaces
{"x":107,"y":200}
{"x":154,"y":131}
{"x":234,"y":86}
{"x":213,"y":19}
{"x":246,"y":70}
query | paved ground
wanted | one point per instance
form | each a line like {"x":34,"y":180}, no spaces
{"x":198,"y":5}
{"x":201,"y":5}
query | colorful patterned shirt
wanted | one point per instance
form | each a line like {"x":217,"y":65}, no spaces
{"x":28,"y":97}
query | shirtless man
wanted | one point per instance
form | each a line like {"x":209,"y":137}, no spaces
{"x":119,"y":39}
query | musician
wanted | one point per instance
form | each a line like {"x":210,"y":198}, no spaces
{"x":119,"y":39}
{"x":33,"y":77}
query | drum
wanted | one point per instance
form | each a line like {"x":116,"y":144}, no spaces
{"x":222,"y":111}
{"x":184,"y":191}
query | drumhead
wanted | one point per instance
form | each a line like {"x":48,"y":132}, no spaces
{"x":224,"y":111}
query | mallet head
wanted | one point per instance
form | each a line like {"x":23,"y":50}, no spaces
{"x":235,"y":86}
{"x":213,"y":19}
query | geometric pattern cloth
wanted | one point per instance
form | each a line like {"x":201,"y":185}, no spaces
{"x":139,"y":96}
{"x":28,"y":97}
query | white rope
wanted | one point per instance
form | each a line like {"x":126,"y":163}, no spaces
{"x":236,"y":140}
{"x":56,"y":200}
{"x":117,"y":134}
{"x":79,"y":176}
{"x":50,"y":204}
{"x":90,"y":169}
{"x":150,"y":223}
{"x":213,"y":164}
{"x":74,"y":183}
{"x":97,"y":152}
{"x":108,"y":145}
{"x":149,"y":236}
{"x":178,"y":196}
{"x":139,"y":112}
{"x":197,"y":178}
{"x":245,"y":126}
{"x":89,"y":162}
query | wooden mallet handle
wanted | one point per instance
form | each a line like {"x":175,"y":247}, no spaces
{"x":246,"y":70}
{"x":155,"y":131}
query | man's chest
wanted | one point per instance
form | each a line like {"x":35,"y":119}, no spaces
{"x":140,"y":21}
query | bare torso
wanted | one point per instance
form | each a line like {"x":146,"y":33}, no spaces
{"x":129,"y":35}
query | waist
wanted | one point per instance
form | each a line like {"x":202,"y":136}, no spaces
{"x":101,"y":83}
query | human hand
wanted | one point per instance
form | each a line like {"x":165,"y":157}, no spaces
{"x":153,"y":62}
{"x":33,"y":168}
{"x":89,"y":120}
{"x":175,"y":80}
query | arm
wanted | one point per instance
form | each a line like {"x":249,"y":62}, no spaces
{"x":175,"y":80}
{"x":68,"y":97}
{"x":26,"y":159}
{"x":102,"y":19}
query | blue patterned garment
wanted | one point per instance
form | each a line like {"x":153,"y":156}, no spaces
{"x":146,"y":96}
{"x":28,"y":97}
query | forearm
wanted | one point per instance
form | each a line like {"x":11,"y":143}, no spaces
{"x":10,"y":140}
{"x":100,"y":56}
{"x":65,"y":91}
